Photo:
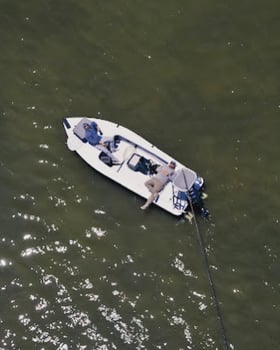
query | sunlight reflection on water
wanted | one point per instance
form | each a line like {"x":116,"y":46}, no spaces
{"x":37,"y":311}
{"x":68,"y":284}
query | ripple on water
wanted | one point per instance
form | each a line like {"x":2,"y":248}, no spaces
{"x":51,"y":227}
{"x":5,"y":262}
{"x":105,"y":304}
{"x":180,"y":266}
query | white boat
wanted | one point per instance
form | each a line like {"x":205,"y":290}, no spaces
{"x":138,"y":161}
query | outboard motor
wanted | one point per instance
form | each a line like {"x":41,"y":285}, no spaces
{"x":195,"y":194}
{"x":199,"y":184}
{"x":192,"y":194}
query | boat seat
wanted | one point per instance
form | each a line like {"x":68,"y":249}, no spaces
{"x":139,"y":163}
{"x":106,"y":159}
{"x":79,"y":130}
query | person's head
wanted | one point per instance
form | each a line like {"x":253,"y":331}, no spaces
{"x":86,"y":126}
{"x":172,"y":164}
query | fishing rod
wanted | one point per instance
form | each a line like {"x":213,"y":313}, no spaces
{"x":208,"y":272}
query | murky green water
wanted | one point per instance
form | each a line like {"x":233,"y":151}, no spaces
{"x":82,"y":267}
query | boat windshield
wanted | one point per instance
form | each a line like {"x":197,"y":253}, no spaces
{"x":184,"y":179}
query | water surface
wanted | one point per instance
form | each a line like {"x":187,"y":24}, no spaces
{"x":82,"y":267}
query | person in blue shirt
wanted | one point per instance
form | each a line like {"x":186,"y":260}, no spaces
{"x":93,"y":133}
{"x":95,"y":137}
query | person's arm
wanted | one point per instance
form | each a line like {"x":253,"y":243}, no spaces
{"x":96,"y":127}
{"x":99,"y":130}
{"x":159,"y":168}
{"x":172,"y":175}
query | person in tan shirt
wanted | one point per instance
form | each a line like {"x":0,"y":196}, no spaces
{"x":165,"y":173}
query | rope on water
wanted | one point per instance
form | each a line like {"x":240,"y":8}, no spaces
{"x":210,"y":279}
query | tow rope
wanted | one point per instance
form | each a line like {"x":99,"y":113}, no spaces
{"x":209,"y":276}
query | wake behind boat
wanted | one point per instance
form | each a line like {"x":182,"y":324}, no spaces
{"x":137,"y":161}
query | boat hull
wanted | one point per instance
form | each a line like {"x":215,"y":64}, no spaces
{"x":131,"y":148}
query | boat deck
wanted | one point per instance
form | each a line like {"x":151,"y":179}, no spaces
{"x":130,"y":145}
